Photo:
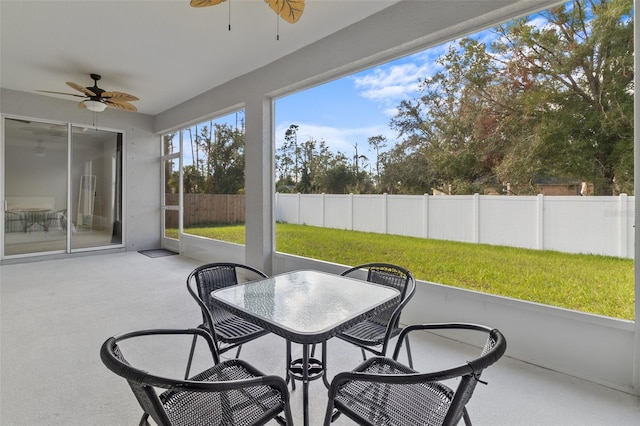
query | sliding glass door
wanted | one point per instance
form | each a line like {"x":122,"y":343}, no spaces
{"x":96,"y":188}
{"x":62,"y":188}
{"x":35,"y":187}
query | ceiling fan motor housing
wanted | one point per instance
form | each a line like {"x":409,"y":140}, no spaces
{"x":95,"y":89}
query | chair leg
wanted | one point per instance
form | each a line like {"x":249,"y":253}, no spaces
{"x":325,"y":366}
{"x":329,"y":414}
{"x":288,"y":372}
{"x":144,"y":420}
{"x":364,"y":355}
{"x":238,"y":352}
{"x":406,"y":340}
{"x":465,"y":416}
{"x":193,"y":349}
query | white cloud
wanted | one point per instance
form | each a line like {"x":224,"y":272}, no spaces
{"x":336,"y":138}
{"x":391,"y":83}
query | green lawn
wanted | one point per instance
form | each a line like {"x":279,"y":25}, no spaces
{"x":596,"y":284}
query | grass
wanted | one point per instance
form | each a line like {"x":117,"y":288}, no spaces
{"x":595,"y":284}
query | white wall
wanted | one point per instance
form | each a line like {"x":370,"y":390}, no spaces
{"x":142,"y":184}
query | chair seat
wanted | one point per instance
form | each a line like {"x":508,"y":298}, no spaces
{"x":394,"y":404}
{"x":232,"y":407}
{"x":233,"y":329}
{"x":367,"y":333}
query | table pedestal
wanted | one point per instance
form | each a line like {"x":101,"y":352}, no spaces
{"x":306,"y":369}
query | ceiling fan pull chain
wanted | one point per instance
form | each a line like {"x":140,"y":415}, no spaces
{"x":277,"y":27}
{"x":229,"y":5}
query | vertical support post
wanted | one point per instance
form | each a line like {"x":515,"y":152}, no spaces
{"x":636,"y":188}
{"x":299,"y":207}
{"x":259,"y":184}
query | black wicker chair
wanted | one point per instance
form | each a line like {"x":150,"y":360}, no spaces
{"x":228,"y":331}
{"x":382,"y":391}
{"x":374,"y":333}
{"x":229,"y":393}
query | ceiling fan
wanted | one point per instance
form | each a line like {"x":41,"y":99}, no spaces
{"x":289,"y":10}
{"x":97,"y":99}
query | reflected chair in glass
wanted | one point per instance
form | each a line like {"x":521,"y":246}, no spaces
{"x":382,"y":391}
{"x":57,"y":219}
{"x":227,"y":330}
{"x":13,"y":222}
{"x":373,"y":334}
{"x":231,"y":392}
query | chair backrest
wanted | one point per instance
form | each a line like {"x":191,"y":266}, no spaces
{"x":214,"y":276}
{"x":141,"y":382}
{"x":391,"y":276}
{"x":469,"y":373}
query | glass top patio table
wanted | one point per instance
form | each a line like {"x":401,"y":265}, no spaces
{"x":306,"y":306}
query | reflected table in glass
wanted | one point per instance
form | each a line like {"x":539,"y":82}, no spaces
{"x":31,"y":217}
{"x":306,"y":307}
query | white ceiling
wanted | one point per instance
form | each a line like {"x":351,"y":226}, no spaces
{"x":163,"y":51}
{"x":166,"y":52}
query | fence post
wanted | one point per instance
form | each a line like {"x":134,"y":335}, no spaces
{"x":351,"y":212}
{"x":324,"y":210}
{"x":624,"y":229}
{"x":298,"y":209}
{"x":275,"y":206}
{"x":476,"y":218}
{"x":540,"y":222}
{"x":385,"y":212}
{"x":425,"y":216}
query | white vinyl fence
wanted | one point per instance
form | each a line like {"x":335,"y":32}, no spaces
{"x":572,"y":224}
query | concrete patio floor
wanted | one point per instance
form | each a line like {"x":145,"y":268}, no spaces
{"x":55,"y":315}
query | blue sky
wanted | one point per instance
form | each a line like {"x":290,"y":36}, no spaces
{"x":349,"y":110}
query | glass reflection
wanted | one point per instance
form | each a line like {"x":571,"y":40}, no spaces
{"x":35,"y":165}
{"x":96,"y":188}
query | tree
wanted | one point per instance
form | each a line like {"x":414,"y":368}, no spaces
{"x":338,"y":178}
{"x":377,"y":143}
{"x":314,"y":160}
{"x":287,"y":159}
{"x":580,"y":72}
{"x":224,"y":150}
{"x":552,"y":100}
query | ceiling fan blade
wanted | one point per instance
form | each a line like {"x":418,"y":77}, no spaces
{"x":118,"y":96}
{"x":61,"y":93}
{"x":205,"y":3}
{"x":126,"y":106}
{"x":289,"y":10}
{"x":80,"y":88}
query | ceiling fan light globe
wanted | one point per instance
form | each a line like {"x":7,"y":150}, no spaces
{"x":95,"y":106}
